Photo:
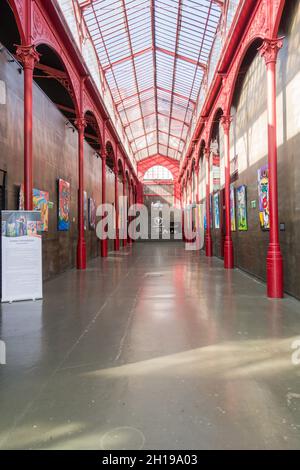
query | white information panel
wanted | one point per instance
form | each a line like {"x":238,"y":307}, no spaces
{"x":21,"y":255}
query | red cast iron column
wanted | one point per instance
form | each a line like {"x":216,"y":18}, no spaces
{"x":269,"y":50}
{"x":208,"y":242}
{"x":129,"y":240}
{"x":125,"y":211}
{"x":81,"y":246}
{"x":104,"y":248}
{"x":228,"y":245}
{"x":29,"y":57}
{"x":117,"y":239}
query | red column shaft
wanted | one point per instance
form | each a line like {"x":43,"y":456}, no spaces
{"x":125,"y":213}
{"x":129,"y":218}
{"x":81,"y":245}
{"x":28,"y":56}
{"x":228,"y":245}
{"x":104,"y":243}
{"x":269,"y":50}
{"x":28,"y":170}
{"x":117,"y":239}
{"x":208,"y":241}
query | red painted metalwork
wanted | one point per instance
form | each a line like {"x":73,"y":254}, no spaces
{"x":116,"y":171}
{"x":228,"y":245}
{"x":104,"y":243}
{"x":81,"y":245}
{"x":269,"y":51}
{"x":208,"y":239}
{"x":29,"y":57}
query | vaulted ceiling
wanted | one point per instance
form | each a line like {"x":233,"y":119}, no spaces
{"x":154,"y":54}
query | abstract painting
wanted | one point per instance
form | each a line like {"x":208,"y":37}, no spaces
{"x":40,"y":203}
{"x":263,"y":196}
{"x":241,"y":196}
{"x":232,"y":208}
{"x":92,"y":213}
{"x":217,"y":210}
{"x":63,"y":223}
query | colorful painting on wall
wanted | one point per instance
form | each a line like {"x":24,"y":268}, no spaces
{"x":92,"y":213}
{"x":241,"y":196}
{"x":232,"y":208}
{"x":40,"y":203}
{"x":263,"y":195}
{"x":85,"y":209}
{"x":217,"y":210}
{"x":63,"y":205}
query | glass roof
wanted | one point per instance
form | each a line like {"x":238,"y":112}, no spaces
{"x":154,"y":54}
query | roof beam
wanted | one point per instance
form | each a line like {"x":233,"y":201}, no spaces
{"x":155,"y":49}
{"x":152,"y":6}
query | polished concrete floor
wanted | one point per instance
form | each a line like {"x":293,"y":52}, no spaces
{"x":155,"y":348}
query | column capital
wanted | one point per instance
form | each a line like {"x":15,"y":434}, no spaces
{"x":103,"y":156}
{"x":28,"y":55}
{"x":80,"y":123}
{"x":226,"y":121}
{"x":269,"y":49}
{"x":207,"y":153}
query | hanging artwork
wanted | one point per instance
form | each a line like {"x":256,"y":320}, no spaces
{"x":263,"y":195}
{"x":232,"y":208}
{"x":63,"y":205}
{"x":40,"y":203}
{"x":217,"y":210}
{"x":241,"y":197}
{"x":85,"y":209}
{"x":92,"y":213}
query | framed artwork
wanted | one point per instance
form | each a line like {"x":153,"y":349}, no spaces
{"x":241,"y":196}
{"x":85,"y":209}
{"x":40,"y":203}
{"x":63,"y":216}
{"x":92,"y":213}
{"x":263,"y":197}
{"x":217,"y":210}
{"x":232,"y":208}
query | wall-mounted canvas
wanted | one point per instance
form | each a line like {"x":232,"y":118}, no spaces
{"x":92,"y":213}
{"x":40,"y":203}
{"x":263,"y":196}
{"x":232,"y":208}
{"x":64,"y":194}
{"x":217,"y":210}
{"x":241,"y":197}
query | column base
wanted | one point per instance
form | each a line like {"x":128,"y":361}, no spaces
{"x":274,"y":272}
{"x":228,"y":253}
{"x":117,"y":244}
{"x":124,"y":243}
{"x":208,"y":246}
{"x":81,"y":254}
{"x":104,"y":248}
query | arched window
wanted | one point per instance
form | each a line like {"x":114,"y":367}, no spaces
{"x":158,"y":172}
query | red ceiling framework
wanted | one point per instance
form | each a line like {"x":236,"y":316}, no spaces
{"x":154,"y":54}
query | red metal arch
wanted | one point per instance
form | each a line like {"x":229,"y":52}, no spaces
{"x":19,"y":15}
{"x":170,"y":163}
{"x":97,"y":130}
